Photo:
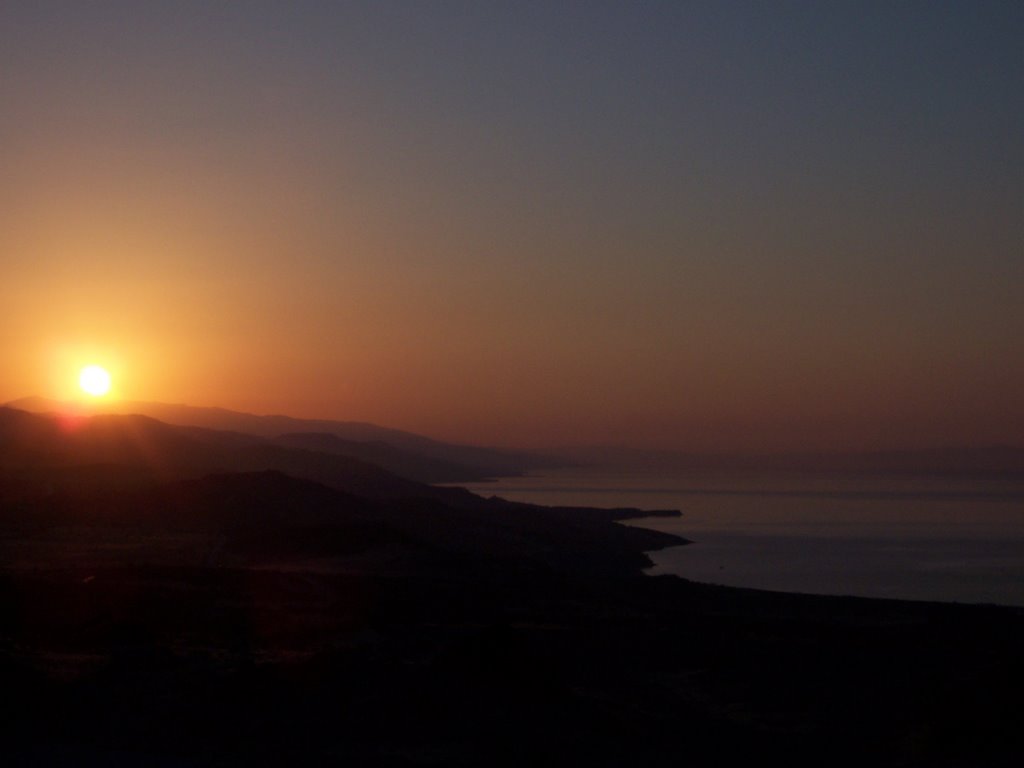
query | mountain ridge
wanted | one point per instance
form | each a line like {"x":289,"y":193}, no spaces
{"x":411,"y":455}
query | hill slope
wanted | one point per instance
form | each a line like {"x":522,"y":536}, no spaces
{"x":410,"y":454}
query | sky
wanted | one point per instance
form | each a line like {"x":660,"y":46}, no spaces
{"x":697,"y":226}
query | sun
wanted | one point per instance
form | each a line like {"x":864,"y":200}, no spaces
{"x":94,"y":380}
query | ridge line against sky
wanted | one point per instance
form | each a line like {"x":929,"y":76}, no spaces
{"x":696,"y":226}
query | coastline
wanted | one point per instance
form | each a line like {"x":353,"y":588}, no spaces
{"x":913,"y":538}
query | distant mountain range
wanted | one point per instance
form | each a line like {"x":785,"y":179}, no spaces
{"x":404,"y":453}
{"x":423,"y":459}
{"x":136,"y":449}
{"x":142,"y":474}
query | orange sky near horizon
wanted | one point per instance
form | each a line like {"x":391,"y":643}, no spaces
{"x":714,"y":244}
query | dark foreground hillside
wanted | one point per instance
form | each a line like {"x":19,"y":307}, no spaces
{"x":258,"y":619}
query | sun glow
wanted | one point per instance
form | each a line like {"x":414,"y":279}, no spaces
{"x":94,"y":380}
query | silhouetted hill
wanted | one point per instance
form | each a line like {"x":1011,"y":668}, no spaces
{"x":414,"y":466}
{"x":414,"y":455}
{"x":167,"y":452}
{"x":246,"y":519}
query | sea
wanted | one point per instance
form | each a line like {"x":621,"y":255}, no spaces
{"x":947,"y":539}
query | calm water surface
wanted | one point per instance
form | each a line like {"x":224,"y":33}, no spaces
{"x":921,"y":538}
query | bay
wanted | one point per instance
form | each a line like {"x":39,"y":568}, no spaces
{"x":952,"y":539}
